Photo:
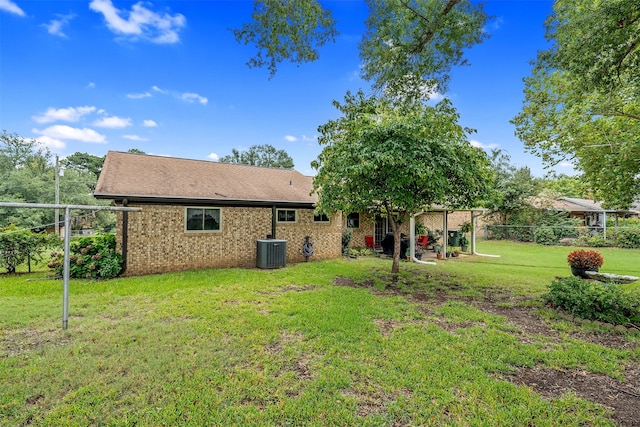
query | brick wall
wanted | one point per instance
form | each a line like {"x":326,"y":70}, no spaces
{"x":157,"y":242}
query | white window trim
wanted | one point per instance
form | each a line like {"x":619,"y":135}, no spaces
{"x":287,"y":222}
{"x":201,"y":231}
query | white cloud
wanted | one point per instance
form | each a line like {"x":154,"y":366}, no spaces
{"x":54,"y":27}
{"x":70,"y":114}
{"x":139,"y":95}
{"x":135,"y":138}
{"x":290,"y":138}
{"x":140,"y":22}
{"x":67,"y":132}
{"x":149,"y":124}
{"x":157,"y":89}
{"x":214,"y":157}
{"x":192,"y":97}
{"x":11,"y":7}
{"x":113,"y":122}
{"x":479,"y":144}
{"x":51,"y":142}
{"x":91,"y":85}
{"x":566,"y":164}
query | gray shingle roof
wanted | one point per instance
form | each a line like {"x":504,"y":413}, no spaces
{"x":146,"y":177}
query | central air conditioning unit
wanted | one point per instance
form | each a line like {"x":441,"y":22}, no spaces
{"x":271,"y":253}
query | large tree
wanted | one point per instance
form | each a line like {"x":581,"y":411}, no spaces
{"x":260,"y":155}
{"x":395,"y":160}
{"x":408,"y":48}
{"x":512,"y":187}
{"x":582,"y":101}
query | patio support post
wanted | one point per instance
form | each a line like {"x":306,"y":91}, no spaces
{"x":604,"y":225}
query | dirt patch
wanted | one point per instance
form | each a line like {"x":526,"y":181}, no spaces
{"x":15,"y":343}
{"x":622,"y":398}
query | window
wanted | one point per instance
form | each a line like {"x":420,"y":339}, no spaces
{"x":202,"y":219}
{"x":286,"y":215}
{"x":320,"y":218}
{"x":353,"y":220}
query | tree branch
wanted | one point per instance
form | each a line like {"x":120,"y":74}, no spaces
{"x":429,"y":35}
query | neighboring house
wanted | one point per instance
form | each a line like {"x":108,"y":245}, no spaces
{"x":589,"y":212}
{"x":202,"y":214}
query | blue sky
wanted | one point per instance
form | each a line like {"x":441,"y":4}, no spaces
{"x":167,"y":77}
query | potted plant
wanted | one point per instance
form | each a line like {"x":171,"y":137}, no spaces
{"x":465,"y":228}
{"x":434,"y":239}
{"x":439,"y":253}
{"x":464,"y":244}
{"x":582,"y":260}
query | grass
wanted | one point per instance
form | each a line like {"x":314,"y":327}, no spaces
{"x":289,"y":347}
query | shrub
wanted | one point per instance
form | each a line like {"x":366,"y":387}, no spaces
{"x":91,"y":257}
{"x":18,"y":246}
{"x":545,"y":236}
{"x":346,"y":239}
{"x":629,"y":238}
{"x":585,"y":259}
{"x":593,"y":300}
{"x":596,"y":241}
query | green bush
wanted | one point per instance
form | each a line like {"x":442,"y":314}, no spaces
{"x":18,"y":246}
{"x":596,"y":241}
{"x":593,"y":300}
{"x":545,"y":236}
{"x":346,"y":239}
{"x":628,"y":238}
{"x":90,"y":258}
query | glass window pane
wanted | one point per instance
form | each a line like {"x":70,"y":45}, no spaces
{"x":211,"y":219}
{"x":194,"y":219}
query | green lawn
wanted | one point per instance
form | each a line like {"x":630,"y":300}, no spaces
{"x":296,"y":347}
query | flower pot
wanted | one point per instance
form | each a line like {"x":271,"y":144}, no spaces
{"x":580,"y":272}
{"x":439,"y":255}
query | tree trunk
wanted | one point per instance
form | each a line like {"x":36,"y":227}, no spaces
{"x":395,"y":228}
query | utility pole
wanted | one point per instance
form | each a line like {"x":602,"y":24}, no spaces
{"x":57,"y":202}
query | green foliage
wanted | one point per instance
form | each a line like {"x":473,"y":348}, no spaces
{"x":512,"y":188}
{"x":346,"y":239}
{"x":84,"y":162}
{"x":408,"y":48}
{"x":594,"y":300}
{"x":628,"y":238}
{"x":395,"y":160}
{"x":582,"y":101}
{"x":592,"y":241}
{"x":545,"y":236}
{"x":260,"y":155}
{"x":17,"y":246}
{"x":90,"y":258}
{"x":27,"y":175}
{"x":286,"y":30}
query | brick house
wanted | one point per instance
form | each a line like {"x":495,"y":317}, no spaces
{"x":203,"y":214}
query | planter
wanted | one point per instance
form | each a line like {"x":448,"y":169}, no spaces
{"x":580,"y":272}
{"x":439,"y":255}
{"x":464,"y":249}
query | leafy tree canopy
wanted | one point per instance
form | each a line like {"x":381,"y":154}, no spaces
{"x":582,"y":101}
{"x":396,"y":160}
{"x":512,"y":187}
{"x":407,"y":50}
{"x":260,"y":155}
{"x":84,"y":162}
